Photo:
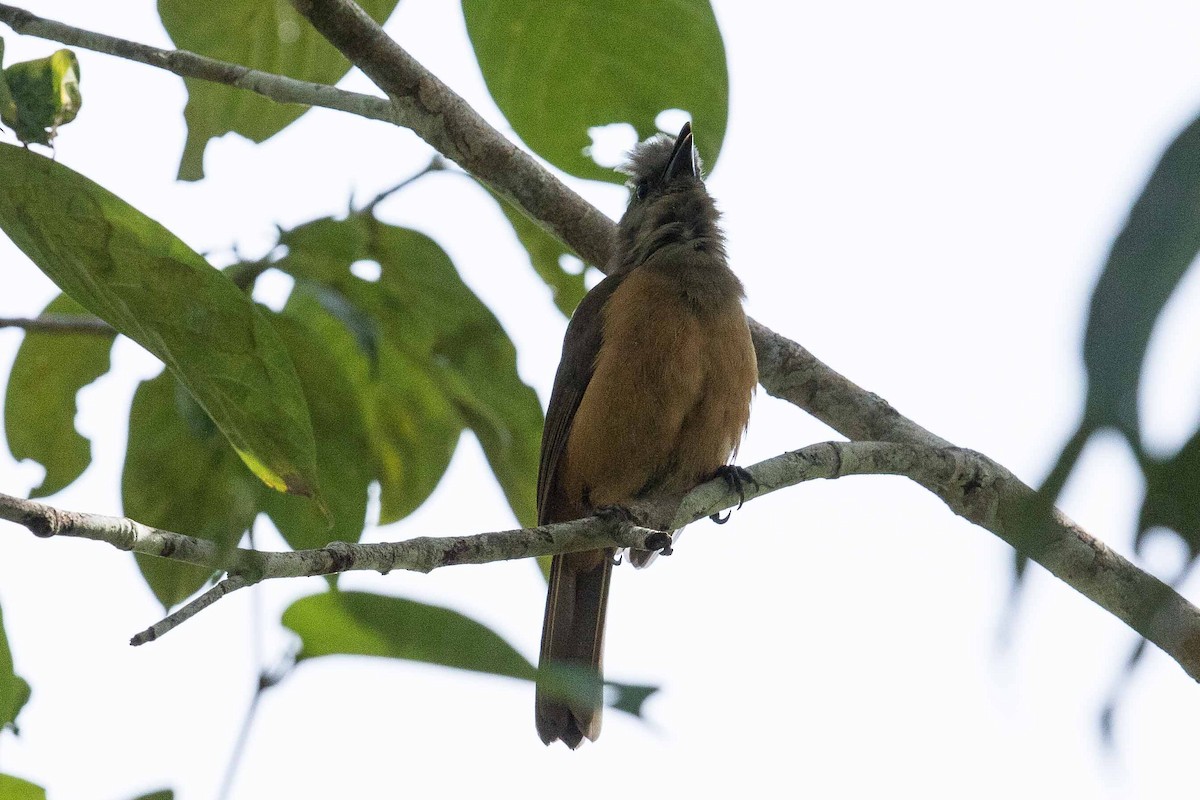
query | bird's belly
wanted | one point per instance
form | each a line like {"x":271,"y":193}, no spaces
{"x":667,"y":403}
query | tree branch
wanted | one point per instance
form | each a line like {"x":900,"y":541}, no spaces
{"x":191,"y":65}
{"x":973,"y":486}
{"x":60,"y":323}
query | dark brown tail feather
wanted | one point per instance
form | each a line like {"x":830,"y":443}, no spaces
{"x":573,"y":633}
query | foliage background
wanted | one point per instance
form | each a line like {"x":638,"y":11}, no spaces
{"x":921,"y":196}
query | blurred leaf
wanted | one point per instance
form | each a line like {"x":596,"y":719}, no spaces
{"x":343,"y":449}
{"x":440,"y":346}
{"x":363,"y":624}
{"x":1148,"y":259}
{"x":8,"y":106}
{"x":12,"y":788}
{"x":14,"y":690}
{"x":1172,"y":500}
{"x":263,"y":34}
{"x":412,"y":428}
{"x":180,"y":474}
{"x":136,"y":275}
{"x":545,"y":254}
{"x":39,"y":406}
{"x":358,"y":623}
{"x":44,"y":94}
{"x":558,"y":69}
{"x":161,"y":794}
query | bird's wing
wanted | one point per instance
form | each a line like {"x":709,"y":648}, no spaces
{"x":585,"y":333}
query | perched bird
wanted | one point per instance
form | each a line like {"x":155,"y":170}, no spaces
{"x":651,"y":398}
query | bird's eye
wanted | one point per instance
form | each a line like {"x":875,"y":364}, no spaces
{"x":642,"y":189}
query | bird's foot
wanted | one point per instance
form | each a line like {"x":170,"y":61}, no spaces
{"x":736,"y":478}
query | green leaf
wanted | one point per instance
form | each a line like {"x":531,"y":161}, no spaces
{"x":14,"y":690}
{"x":180,"y":474}
{"x":364,"y":624}
{"x":136,"y":275}
{"x":1171,"y":498}
{"x":39,"y":406}
{"x":558,"y":69}
{"x":263,"y":34}
{"x":44,"y":94}
{"x":1148,"y":259}
{"x":545,"y":256}
{"x":412,"y":427}
{"x":12,"y":788}
{"x":440,"y":346}
{"x":343,"y":448}
{"x":161,"y":794}
{"x":359,"y":623}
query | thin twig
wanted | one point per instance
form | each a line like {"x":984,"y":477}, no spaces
{"x":186,"y":64}
{"x":60,"y":323}
{"x":190,"y":610}
{"x":436,"y":164}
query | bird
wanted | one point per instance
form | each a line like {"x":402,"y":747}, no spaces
{"x":651,"y":398}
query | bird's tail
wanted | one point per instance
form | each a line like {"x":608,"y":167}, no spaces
{"x":573,"y":636}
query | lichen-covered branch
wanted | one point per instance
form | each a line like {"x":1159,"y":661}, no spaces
{"x":972,"y":485}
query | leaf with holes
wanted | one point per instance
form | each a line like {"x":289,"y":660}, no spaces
{"x":558,"y":69}
{"x":440,"y":348}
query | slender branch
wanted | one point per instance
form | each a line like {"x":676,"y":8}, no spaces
{"x":436,"y":164}
{"x":191,"y":65}
{"x":60,"y":323}
{"x":972,"y":485}
{"x":190,"y":610}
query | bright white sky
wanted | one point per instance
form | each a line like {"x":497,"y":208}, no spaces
{"x":923,"y":195}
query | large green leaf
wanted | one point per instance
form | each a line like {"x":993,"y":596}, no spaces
{"x":264,"y":34}
{"x":359,"y":623}
{"x":44,"y":94}
{"x":558,"y":69}
{"x":446,"y":346}
{"x":364,"y":624}
{"x":1160,"y":240}
{"x":39,"y":406}
{"x":545,"y":256}
{"x":130,"y":271}
{"x":343,"y":447}
{"x":181,"y":474}
{"x":14,"y":690}
{"x":13,"y":788}
{"x":412,"y":427}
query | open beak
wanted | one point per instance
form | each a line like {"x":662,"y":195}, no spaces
{"x":683,"y":158}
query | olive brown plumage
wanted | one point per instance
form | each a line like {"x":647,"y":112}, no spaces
{"x":651,"y":398}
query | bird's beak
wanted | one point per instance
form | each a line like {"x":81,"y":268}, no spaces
{"x":683,"y":158}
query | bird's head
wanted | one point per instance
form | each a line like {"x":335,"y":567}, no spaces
{"x":670,"y":210}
